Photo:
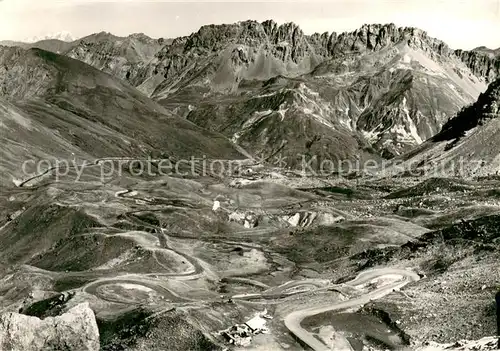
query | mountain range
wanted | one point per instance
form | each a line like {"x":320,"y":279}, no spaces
{"x":376,"y":92}
{"x":62,"y":36}
{"x":63,"y":108}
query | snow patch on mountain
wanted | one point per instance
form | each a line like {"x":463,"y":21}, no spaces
{"x":411,"y":124}
{"x":63,"y":36}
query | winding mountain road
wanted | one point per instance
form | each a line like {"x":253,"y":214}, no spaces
{"x":95,"y":163}
{"x":293,"y":320}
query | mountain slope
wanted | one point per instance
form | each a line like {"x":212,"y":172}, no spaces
{"x":468,"y":143}
{"x":482,"y":62}
{"x":53,"y":45}
{"x":119,"y":56}
{"x":250,"y":50}
{"x":286,"y":123}
{"x":392,"y":87}
{"x":13,"y":43}
{"x":490,"y":52}
{"x":122,"y":57}
{"x":58,"y":106}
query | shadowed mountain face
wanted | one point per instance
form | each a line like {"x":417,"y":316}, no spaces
{"x":468,"y":143}
{"x":485,"y":108}
{"x":59,"y":107}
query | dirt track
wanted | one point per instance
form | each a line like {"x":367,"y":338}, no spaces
{"x":293,"y":320}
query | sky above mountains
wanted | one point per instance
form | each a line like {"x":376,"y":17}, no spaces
{"x":460,"y":23}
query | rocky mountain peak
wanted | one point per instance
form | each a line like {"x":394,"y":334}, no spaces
{"x":288,"y":42}
{"x":289,"y":31}
{"x":257,"y":50}
{"x":369,"y":37}
{"x":374,"y":37}
{"x":212,"y":37}
{"x":482,"y":63}
{"x":216,"y":37}
{"x":485,"y":50}
{"x":140,"y":36}
{"x":99,"y":37}
{"x":270,"y":26}
{"x":482,"y":48}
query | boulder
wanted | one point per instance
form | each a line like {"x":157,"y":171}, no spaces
{"x":74,"y":330}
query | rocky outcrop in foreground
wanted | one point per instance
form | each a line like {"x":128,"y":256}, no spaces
{"x":74,"y":330}
{"x":484,"y":344}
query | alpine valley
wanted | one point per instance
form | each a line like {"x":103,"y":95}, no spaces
{"x":171,"y":193}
